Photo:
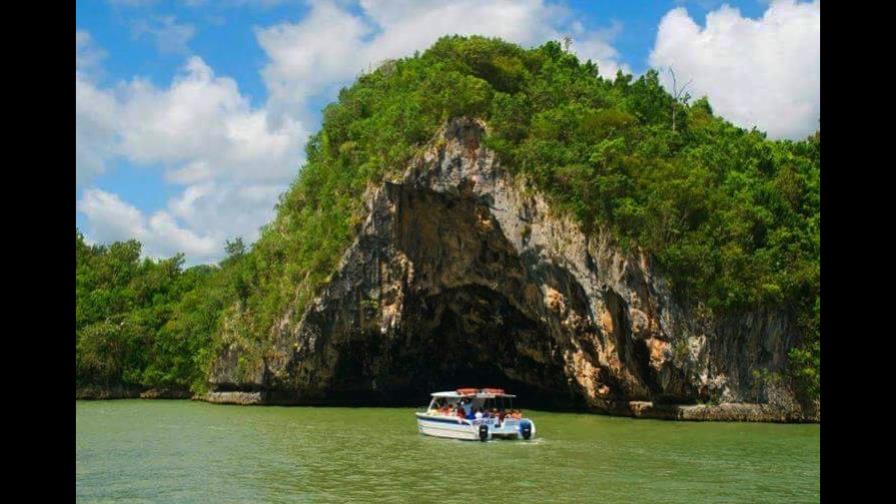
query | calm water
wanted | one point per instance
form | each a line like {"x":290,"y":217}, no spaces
{"x":185,"y":451}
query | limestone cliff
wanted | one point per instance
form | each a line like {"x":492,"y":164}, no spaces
{"x":461,"y":275}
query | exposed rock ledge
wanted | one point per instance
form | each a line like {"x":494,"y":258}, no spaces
{"x":725,"y":412}
{"x":93,"y":392}
{"x":462,"y":275}
{"x":165,"y":393}
{"x":122,"y":392}
{"x":231,"y":397}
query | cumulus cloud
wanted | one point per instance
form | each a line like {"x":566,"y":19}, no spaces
{"x":201,"y":127}
{"x":332,"y":45}
{"x":95,"y":119}
{"x":94,"y":112}
{"x":205,"y":136}
{"x":111,"y":219}
{"x":311,"y":56}
{"x":756,"y":72}
{"x":198,"y":128}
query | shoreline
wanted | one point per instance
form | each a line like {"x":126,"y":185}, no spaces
{"x":724,"y":412}
{"x":123,"y":392}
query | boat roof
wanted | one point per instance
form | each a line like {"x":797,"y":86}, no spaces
{"x":479,"y":393}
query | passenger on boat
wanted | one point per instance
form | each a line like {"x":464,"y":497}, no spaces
{"x":460,"y":413}
{"x":478,"y":414}
{"x":467,"y":405}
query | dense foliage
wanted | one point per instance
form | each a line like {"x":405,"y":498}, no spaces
{"x":146,"y":323}
{"x":731,"y":217}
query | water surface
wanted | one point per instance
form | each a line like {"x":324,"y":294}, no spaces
{"x":186,"y":451}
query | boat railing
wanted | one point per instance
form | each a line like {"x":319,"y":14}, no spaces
{"x":473,"y":421}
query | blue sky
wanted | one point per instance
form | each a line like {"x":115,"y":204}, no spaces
{"x":192,"y":115}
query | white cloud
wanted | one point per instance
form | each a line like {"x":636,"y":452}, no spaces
{"x":199,"y":128}
{"x":197,"y":222}
{"x":95,"y":118}
{"x":311,"y":56}
{"x":168,"y":35}
{"x":597,"y":46}
{"x":331,"y":45}
{"x":763,"y":72}
{"x":95,"y":112}
{"x":206,"y":137}
{"x":111,"y":219}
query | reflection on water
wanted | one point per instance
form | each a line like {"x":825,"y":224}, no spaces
{"x":183,"y":451}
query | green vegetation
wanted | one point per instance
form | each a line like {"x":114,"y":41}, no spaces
{"x":143,"y":322}
{"x":731,"y":217}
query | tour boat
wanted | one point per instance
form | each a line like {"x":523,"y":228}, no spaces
{"x":497,"y":417}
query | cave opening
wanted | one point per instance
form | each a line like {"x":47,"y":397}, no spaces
{"x":473,"y":314}
{"x":472,"y":336}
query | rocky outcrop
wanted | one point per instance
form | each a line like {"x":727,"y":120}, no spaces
{"x":97,"y":392}
{"x":166,"y":393}
{"x":462,"y":275}
{"x":235,"y":397}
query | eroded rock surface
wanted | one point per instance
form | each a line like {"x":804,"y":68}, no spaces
{"x":463,"y":276}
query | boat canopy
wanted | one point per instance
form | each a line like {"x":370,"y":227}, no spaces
{"x":484,"y":393}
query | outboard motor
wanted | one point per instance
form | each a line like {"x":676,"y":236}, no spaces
{"x":483,"y":432}
{"x":526,"y":429}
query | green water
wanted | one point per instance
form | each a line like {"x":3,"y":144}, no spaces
{"x":184,"y":451}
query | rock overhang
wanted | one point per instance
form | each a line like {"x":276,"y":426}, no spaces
{"x":458,"y":254}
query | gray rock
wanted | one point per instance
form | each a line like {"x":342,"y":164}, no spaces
{"x":234,"y":397}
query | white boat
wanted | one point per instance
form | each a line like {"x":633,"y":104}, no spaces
{"x":496,"y":418}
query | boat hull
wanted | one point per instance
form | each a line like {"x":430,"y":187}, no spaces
{"x":458,"y":428}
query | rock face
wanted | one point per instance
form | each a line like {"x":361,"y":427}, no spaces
{"x":95,"y":392}
{"x":461,"y":275}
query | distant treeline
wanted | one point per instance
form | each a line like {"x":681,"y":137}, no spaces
{"x":730,"y":217}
